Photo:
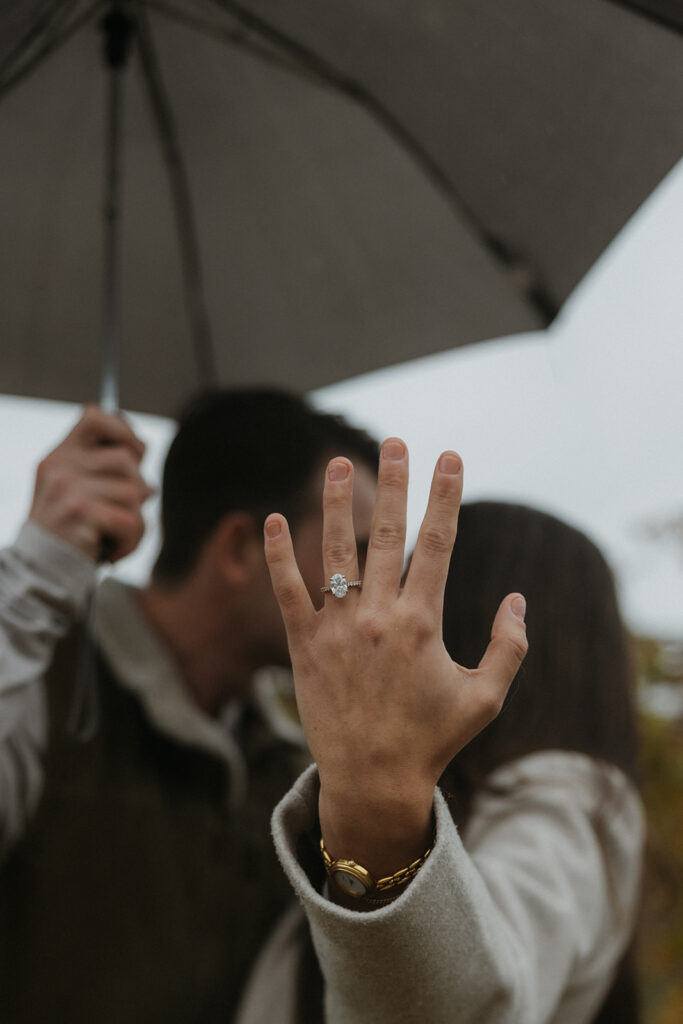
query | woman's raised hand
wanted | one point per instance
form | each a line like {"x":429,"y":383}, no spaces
{"x":383,"y":706}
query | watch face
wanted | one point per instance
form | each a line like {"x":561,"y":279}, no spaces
{"x":349,"y":884}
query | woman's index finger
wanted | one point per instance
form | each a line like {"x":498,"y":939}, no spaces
{"x":290,"y":590}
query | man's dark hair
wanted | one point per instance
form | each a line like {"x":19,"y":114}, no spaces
{"x":251,"y":450}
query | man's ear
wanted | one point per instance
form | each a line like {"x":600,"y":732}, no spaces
{"x":236,"y":548}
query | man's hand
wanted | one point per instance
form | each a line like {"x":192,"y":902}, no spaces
{"x":383,"y":706}
{"x":90,"y":486}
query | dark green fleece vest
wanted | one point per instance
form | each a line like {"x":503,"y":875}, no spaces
{"x":136,"y":897}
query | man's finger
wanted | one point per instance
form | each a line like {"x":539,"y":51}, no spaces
{"x":428,"y":571}
{"x":115,"y":464}
{"x":124,"y":525}
{"x":123,"y":493}
{"x":506,"y":650}
{"x":111,"y":460}
{"x":98,"y":427}
{"x":290,"y":589}
{"x":386,"y":549}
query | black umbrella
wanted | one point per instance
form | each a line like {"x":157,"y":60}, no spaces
{"x":354,"y":183}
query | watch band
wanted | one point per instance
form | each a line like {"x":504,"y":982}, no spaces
{"x":356,"y":881}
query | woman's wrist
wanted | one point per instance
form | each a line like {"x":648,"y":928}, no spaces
{"x":382,"y":831}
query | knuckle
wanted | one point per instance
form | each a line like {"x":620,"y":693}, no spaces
{"x":275,"y":553}
{"x":513,"y":646}
{"x":53,"y":473}
{"x":131,"y":495}
{"x":338,"y":551}
{"x":129,"y":465}
{"x":136,"y":453}
{"x":119,"y":468}
{"x":59,"y":482}
{"x":335,"y":497}
{"x":371,"y":626}
{"x":446,"y":489}
{"x":491,"y":702}
{"x":110,"y":458}
{"x":114,"y":458}
{"x":419,"y":624}
{"x":436,"y":540}
{"x":76,"y":506}
{"x":387,"y":536}
{"x":129,"y":524}
{"x":519,"y":645}
{"x":118,"y":461}
{"x":286,"y":594}
{"x":128,"y":530}
{"x":393,"y":474}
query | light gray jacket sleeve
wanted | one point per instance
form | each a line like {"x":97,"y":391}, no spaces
{"x":523,"y":921}
{"x":43,"y":583}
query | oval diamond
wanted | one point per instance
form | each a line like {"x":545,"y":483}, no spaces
{"x":339,"y":585}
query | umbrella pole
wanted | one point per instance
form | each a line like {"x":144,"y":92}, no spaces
{"x":118,"y":29}
{"x":84,"y":714}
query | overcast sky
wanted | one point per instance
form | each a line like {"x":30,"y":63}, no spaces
{"x":584,"y":420}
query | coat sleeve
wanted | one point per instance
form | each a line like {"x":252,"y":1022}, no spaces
{"x":524,"y":921}
{"x":43,"y":583}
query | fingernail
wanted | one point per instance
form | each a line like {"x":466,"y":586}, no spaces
{"x":273,"y":528}
{"x":519,"y":606}
{"x":393,"y":450}
{"x":450,"y":464}
{"x":338,"y":470}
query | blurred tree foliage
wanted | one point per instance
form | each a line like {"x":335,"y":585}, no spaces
{"x":660,"y":670}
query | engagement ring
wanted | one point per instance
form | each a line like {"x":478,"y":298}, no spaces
{"x":339,"y":585}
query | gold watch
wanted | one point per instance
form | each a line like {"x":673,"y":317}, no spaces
{"x":357,"y":882}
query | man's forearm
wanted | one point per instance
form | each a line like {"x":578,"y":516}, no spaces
{"x":43,"y":583}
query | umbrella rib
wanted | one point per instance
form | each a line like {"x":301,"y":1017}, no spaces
{"x":643,"y":11}
{"x":34,"y":32}
{"x":520,"y":273}
{"x":54,"y":43}
{"x":238,"y":38}
{"x":182,"y":204}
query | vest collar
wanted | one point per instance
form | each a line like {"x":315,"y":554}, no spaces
{"x":143,"y":664}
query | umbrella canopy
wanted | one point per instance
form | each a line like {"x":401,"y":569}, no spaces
{"x":357,"y":183}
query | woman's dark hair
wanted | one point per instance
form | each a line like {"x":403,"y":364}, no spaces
{"x":574,"y":691}
{"x":254,"y":450}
